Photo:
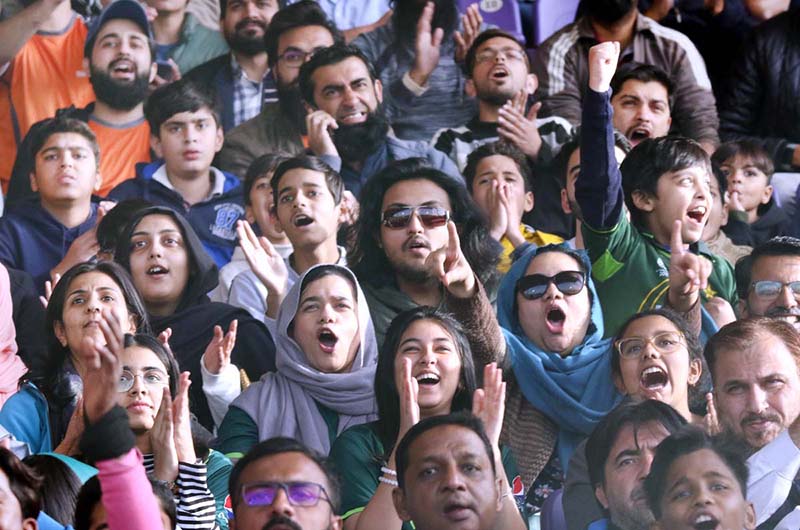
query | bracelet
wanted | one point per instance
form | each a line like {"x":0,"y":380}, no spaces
{"x":388,"y":471}
{"x":388,"y":481}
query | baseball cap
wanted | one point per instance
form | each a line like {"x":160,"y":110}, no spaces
{"x":126,"y":9}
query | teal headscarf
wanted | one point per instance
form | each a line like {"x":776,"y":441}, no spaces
{"x":576,"y":391}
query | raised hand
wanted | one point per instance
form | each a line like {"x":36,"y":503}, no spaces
{"x":427,"y":47}
{"x":263,"y":259}
{"x":218,"y":352}
{"x":489,"y":402}
{"x":519,"y":128}
{"x":102,"y":368}
{"x":603,"y":59}
{"x":688,"y":272}
{"x":49,"y":285}
{"x":409,"y":405}
{"x":182,"y":422}
{"x":711,"y":420}
{"x":471,"y":23}
{"x":498,"y":212}
{"x":162,"y":441}
{"x":318,"y":124}
{"x":451,"y":266}
{"x":735,"y":202}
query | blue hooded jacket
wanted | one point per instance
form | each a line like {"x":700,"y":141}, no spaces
{"x":214,"y":220}
{"x":576,"y":391}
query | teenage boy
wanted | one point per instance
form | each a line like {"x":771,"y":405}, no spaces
{"x":308,"y":205}
{"x":500,"y":181}
{"x":663,"y":183}
{"x":185,"y":133}
{"x":47,"y":235}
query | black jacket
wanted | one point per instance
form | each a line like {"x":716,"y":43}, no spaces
{"x":762,"y":103}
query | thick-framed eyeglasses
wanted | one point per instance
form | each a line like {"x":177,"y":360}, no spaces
{"x":429,"y":216}
{"x":295,"y":58}
{"x":152,"y":378}
{"x":534,"y":286}
{"x":666,"y":342}
{"x":304,"y":494}
{"x":771,"y":289}
{"x":511,"y":54}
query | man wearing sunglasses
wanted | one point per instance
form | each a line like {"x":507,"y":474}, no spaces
{"x":280,"y":483}
{"x":769,"y":281}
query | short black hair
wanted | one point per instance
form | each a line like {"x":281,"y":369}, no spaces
{"x":502,"y":148}
{"x":276,"y":446}
{"x":110,"y":228}
{"x":757,"y":155}
{"x":331,"y":55}
{"x":60,"y":124}
{"x":777,"y":246}
{"x":492,"y":33}
{"x":60,"y":486}
{"x":645,"y":73}
{"x":300,"y":14}
{"x":461,"y":419}
{"x":312,"y":163}
{"x":91,"y":494}
{"x":24,"y":483}
{"x":258,"y":168}
{"x":628,"y":413}
{"x":654,"y":158}
{"x":561,"y":161}
{"x":180,"y":96}
{"x":686,"y":441}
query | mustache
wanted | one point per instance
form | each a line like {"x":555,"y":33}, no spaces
{"x":242,"y":23}
{"x":783,"y":312}
{"x":416,"y":240}
{"x":753,"y":417}
{"x":281,"y":520}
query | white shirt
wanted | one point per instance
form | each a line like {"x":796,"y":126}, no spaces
{"x":772,"y":470}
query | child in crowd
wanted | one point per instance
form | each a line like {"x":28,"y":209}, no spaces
{"x":714,"y":235}
{"x":500,"y":180}
{"x":258,"y":210}
{"x":186,"y":134}
{"x":308,"y":207}
{"x":748,"y":170}
{"x":49,"y":234}
{"x":661,"y":181}
{"x":698,"y":482}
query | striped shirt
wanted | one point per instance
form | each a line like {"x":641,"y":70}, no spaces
{"x":195,"y":504}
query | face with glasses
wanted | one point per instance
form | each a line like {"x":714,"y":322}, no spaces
{"x":141,"y":386}
{"x":500,"y":72}
{"x":413,"y":223}
{"x":774,"y":289}
{"x":286,"y":489}
{"x":654,"y":362}
{"x":296,"y":46}
{"x":553,"y":303}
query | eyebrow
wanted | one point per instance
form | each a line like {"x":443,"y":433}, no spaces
{"x":80,"y":291}
{"x":302,"y":185}
{"x":416,"y":340}
{"x":627,"y":452}
{"x":65,"y":147}
{"x":165,"y":231}
{"x":144,"y":368}
{"x":320,"y":299}
{"x":404,"y":205}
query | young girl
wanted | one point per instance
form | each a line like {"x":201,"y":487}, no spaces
{"x":326,"y":354}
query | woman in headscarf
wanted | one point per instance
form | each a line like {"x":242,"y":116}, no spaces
{"x":326,"y":355}
{"x":11,"y":365}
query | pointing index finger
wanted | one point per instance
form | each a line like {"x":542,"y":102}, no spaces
{"x":676,"y":238}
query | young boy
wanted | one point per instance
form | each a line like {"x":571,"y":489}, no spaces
{"x":748,"y":169}
{"x":699,"y":482}
{"x":308,"y":206}
{"x":499,"y":178}
{"x":47,"y":235}
{"x":185,"y":135}
{"x":713,"y":234}
{"x":664,"y":183}
{"x":258,"y":208}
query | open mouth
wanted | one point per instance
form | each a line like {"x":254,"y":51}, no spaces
{"x":354,"y":117}
{"x":428,"y":379}
{"x":327,"y":340}
{"x":123,"y":67}
{"x":302,"y":220}
{"x":705,"y":522}
{"x":157,"y":270}
{"x":654,"y":378}
{"x":555,"y":319}
{"x":639,"y":134}
{"x":500,"y":73}
{"x":698,"y":215}
{"x":416,"y":244}
{"x":457,"y":511}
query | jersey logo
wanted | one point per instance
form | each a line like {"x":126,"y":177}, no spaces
{"x":225,"y":221}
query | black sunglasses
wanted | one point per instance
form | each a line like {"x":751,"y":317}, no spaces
{"x":430,"y":216}
{"x":533,"y":286}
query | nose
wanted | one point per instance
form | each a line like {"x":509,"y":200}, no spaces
{"x":786,"y":297}
{"x":415,"y":224}
{"x":650,"y":351}
{"x":281,"y":506}
{"x":428,"y":355}
{"x":646,"y":460}
{"x":327,"y":313}
{"x":138,"y":385}
{"x":349,"y":96}
{"x":756,"y":399}
{"x":93,"y":304}
{"x":703,"y":497}
{"x":453,"y":479}
{"x":552,"y":292}
{"x":643,"y":113}
{"x":251,"y":10}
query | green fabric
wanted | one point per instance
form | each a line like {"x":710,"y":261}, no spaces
{"x":218,"y":471}
{"x":357,"y":455}
{"x":331,"y":418}
{"x":197,"y":45}
{"x":631,"y":272}
{"x":237,"y":433}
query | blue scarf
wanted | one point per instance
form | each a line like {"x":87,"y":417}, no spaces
{"x":575,"y":392}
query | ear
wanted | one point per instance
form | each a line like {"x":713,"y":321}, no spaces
{"x":527,"y":206}
{"x":155,"y":144}
{"x":565,"y":202}
{"x":343,"y":212}
{"x":276,"y":219}
{"x":34,"y":185}
{"x":695,"y":371}
{"x":600,"y":493}
{"x":60,"y":332}
{"x":153,"y":71}
{"x":378,"y":90}
{"x":767,"y":195}
{"x":30,"y":524}
{"x":469,"y":88}
{"x":249,"y":215}
{"x":498,"y":486}
{"x":750,"y":517}
{"x":219,"y":140}
{"x":336,"y":522}
{"x":724,"y":220}
{"x":86,"y":65}
{"x":132,"y":323}
{"x":643,"y":201}
{"x":98,"y":180}
{"x":399,"y":499}
{"x":531,"y":84}
{"x":309,"y":108}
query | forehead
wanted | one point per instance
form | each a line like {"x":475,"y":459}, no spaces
{"x":94,"y":280}
{"x":157,"y":223}
{"x":138,"y":356}
{"x":66,"y":140}
{"x":645,"y":436}
{"x":782,"y":268}
{"x":203,"y":113}
{"x":446,"y":442}
{"x":305,"y":38}
{"x":330,"y":284}
{"x":698,"y":464}
{"x":550,"y":263}
{"x":649,"y":90}
{"x":498,"y":43}
{"x":767,"y":355}
{"x":648,"y":325}
{"x":414,"y":192}
{"x":425,"y":329}
{"x":499,"y":163}
{"x":342,"y":72}
{"x":121,"y":27}
{"x":283,"y":467}
{"x":300,"y":176}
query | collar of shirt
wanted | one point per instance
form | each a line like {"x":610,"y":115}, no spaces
{"x":240,"y":75}
{"x":217,"y":180}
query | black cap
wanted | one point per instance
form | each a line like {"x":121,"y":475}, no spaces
{"x":127,"y":9}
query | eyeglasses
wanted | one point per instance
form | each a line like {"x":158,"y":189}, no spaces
{"x":295,"y":58}
{"x":533,"y":286}
{"x":152,"y":378}
{"x":513,"y":54}
{"x":299,"y":493}
{"x":768,"y":289}
{"x":430,"y":216}
{"x":666,"y":342}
